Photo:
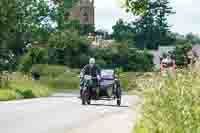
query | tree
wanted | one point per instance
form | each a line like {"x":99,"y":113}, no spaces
{"x":192,"y":38}
{"x":151,"y":27}
{"x":145,"y":30}
{"x":72,"y":44}
{"x":123,"y":32}
{"x":61,"y":15}
{"x":137,"y":7}
{"x":162,"y":11}
{"x":22,"y":21}
{"x":181,"y":53}
{"x":86,"y":29}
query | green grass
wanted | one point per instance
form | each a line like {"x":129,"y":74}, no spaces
{"x":7,"y":94}
{"x":171,"y":105}
{"x":58,"y":77}
{"x":20,"y":87}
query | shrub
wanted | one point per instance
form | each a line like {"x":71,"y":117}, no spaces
{"x":122,"y":56}
{"x":57,"y":77}
{"x":180,"y":53}
{"x":48,"y":70}
{"x":74,"y":46}
{"x":33,"y":56}
{"x":140,"y":61}
{"x":25,"y":93}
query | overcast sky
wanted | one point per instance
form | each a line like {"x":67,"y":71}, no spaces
{"x":186,"y":19}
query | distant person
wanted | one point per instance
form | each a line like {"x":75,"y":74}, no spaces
{"x":192,"y":59}
{"x":35,"y":76}
{"x":168,"y":64}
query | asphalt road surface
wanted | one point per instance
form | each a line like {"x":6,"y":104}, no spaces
{"x":63,"y":113}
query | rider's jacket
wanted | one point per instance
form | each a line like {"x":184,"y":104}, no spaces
{"x":88,"y":70}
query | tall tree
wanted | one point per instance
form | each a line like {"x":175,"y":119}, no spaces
{"x":152,"y":28}
{"x":123,"y":32}
{"x":162,"y":11}
{"x":137,"y":7}
{"x":192,"y":38}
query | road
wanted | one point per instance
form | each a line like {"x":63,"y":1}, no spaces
{"x":63,"y":113}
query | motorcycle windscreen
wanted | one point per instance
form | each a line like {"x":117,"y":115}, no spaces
{"x":107,"y":74}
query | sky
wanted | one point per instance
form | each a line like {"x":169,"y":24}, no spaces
{"x":186,"y":19}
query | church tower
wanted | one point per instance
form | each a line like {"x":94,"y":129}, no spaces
{"x":84,"y":11}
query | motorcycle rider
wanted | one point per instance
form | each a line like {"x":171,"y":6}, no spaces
{"x":93,"y":70}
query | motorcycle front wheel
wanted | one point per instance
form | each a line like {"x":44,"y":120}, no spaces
{"x":85,"y":97}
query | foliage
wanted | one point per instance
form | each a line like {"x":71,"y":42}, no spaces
{"x":175,"y":99}
{"x":73,"y":45}
{"x":150,"y":29}
{"x":22,"y":21}
{"x":138,"y":7}
{"x":120,"y":55}
{"x":21,"y":87}
{"x":33,"y":56}
{"x":123,"y":32}
{"x":25,"y":93}
{"x":86,"y":29}
{"x":48,"y":70}
{"x":57,"y":77}
{"x":181,"y":53}
{"x":192,"y":38}
{"x":140,"y":61}
{"x":7,"y":59}
{"x":7,"y":62}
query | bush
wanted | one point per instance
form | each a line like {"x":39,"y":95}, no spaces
{"x":57,"y":77}
{"x":25,"y":93}
{"x":180,"y":54}
{"x":121,"y":56}
{"x":33,"y":56}
{"x":74,"y":46}
{"x":48,"y":70}
{"x":171,"y":105}
{"x":140,"y":61}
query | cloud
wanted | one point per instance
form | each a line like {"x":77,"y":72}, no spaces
{"x":108,"y":12}
{"x":186,"y":19}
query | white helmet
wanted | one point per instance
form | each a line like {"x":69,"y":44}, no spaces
{"x":92,"y":61}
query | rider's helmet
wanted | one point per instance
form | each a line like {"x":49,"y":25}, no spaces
{"x":92,"y":62}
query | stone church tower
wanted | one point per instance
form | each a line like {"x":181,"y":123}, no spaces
{"x":84,"y":11}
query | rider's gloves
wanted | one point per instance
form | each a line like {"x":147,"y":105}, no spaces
{"x":98,"y":77}
{"x":81,"y":75}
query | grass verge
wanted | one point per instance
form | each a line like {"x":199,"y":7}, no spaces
{"x":171,"y":105}
{"x":21,"y":87}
